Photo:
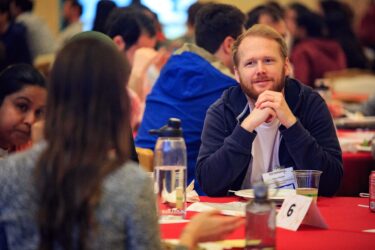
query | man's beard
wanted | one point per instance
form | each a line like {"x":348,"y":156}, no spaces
{"x":250,"y":92}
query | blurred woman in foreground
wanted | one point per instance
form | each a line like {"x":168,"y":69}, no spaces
{"x":77,"y":190}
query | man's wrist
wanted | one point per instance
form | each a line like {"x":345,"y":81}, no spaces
{"x":247,"y":126}
{"x":291,"y":122}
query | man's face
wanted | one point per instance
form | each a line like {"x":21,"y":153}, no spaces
{"x":144,"y":41}
{"x":291,"y":23}
{"x":260,"y":66}
{"x":279,"y":25}
{"x":67,"y":8}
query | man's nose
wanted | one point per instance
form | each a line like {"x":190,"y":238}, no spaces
{"x":260,"y":68}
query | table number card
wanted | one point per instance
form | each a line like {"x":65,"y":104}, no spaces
{"x":297,"y":210}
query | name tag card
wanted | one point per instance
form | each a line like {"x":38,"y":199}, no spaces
{"x":297,"y":210}
{"x":280,"y":178}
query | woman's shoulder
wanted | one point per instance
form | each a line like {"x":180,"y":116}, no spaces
{"x":126,"y":191}
{"x":20,"y":163}
{"x":130,"y":172}
{"x":127,"y":182}
{"x":16,"y":178}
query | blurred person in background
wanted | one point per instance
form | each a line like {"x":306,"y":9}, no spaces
{"x":269,"y":15}
{"x":338,"y":17}
{"x":131,"y":29}
{"x":78,"y":189}
{"x":291,"y":13}
{"x":161,"y":40}
{"x":313,"y":54}
{"x":188,"y":37}
{"x":193,"y":78}
{"x":22,"y":104}
{"x":103,"y":10}
{"x":39,"y":36}
{"x":13,"y":37}
{"x":135,"y":35}
{"x":72,"y":11}
{"x":365,"y":33}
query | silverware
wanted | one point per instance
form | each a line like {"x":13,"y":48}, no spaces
{"x":364,"y":195}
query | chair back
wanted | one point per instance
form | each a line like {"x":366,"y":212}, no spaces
{"x":146,"y":158}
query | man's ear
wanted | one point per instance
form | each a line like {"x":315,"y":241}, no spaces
{"x":236,"y":74}
{"x":288,"y":67}
{"x":227,"y":44}
{"x":120,"y":44}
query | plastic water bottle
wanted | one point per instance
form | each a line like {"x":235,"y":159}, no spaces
{"x":170,"y":171}
{"x":260,"y":220}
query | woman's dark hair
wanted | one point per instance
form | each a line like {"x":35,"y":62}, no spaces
{"x":338,"y":17}
{"x":103,"y":9}
{"x":16,"y":76}
{"x":312,"y":23}
{"x":87,"y":132}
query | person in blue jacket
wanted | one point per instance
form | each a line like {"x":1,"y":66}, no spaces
{"x":269,"y":120}
{"x":194,"y":78}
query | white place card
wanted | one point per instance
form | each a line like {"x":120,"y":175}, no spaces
{"x":297,"y":210}
{"x":280,"y":178}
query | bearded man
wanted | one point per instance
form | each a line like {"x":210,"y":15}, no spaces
{"x":267,"y":121}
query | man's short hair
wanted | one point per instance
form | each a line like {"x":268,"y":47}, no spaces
{"x":215,"y":22}
{"x":254,"y":15}
{"x":192,"y":12}
{"x":260,"y":30}
{"x":129,"y":23}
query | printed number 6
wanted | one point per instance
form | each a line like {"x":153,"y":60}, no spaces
{"x":290,"y":211}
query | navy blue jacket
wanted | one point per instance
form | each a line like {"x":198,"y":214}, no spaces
{"x":311,"y":143}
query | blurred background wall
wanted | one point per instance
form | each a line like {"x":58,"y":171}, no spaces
{"x":50,"y":10}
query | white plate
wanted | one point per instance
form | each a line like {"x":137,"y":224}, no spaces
{"x":360,"y":122}
{"x":363,"y":148}
{"x":274,"y":194}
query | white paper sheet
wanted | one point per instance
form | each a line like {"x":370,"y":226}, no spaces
{"x":231,"y":208}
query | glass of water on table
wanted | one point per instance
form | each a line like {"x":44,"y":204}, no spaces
{"x":307,"y":182}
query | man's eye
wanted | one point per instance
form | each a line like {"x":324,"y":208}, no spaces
{"x":268,"y":60}
{"x":250,"y":63}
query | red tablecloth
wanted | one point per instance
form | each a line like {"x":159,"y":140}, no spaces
{"x":357,"y":168}
{"x":345,"y":218}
